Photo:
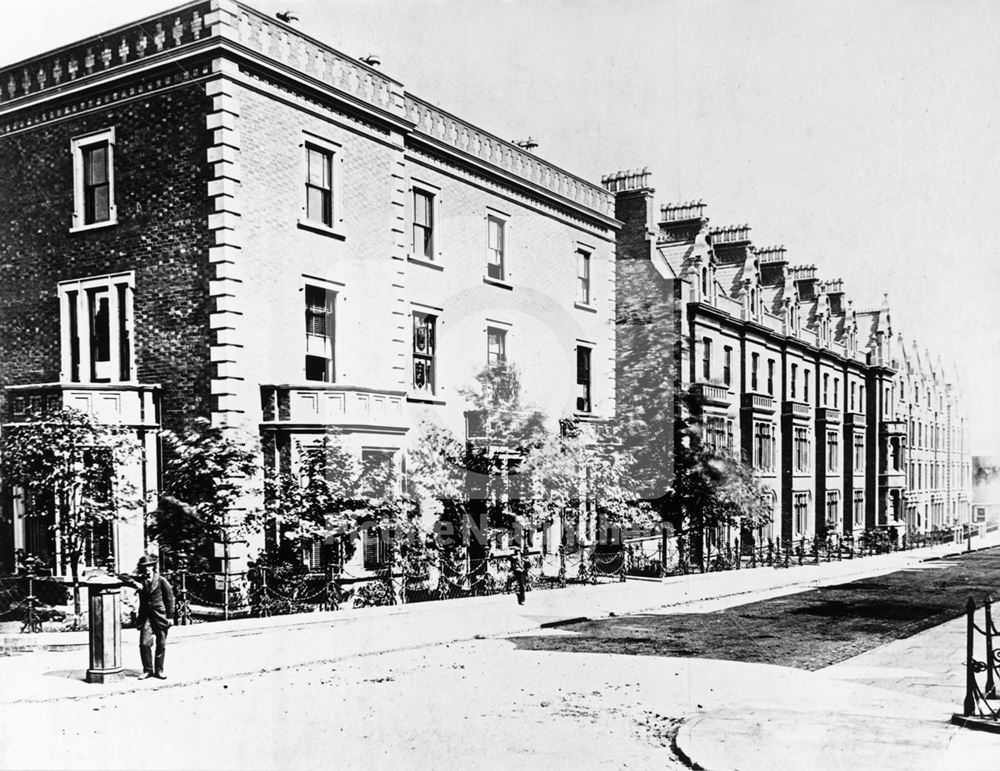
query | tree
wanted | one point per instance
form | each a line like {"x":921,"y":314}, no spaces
{"x":437,"y":483}
{"x":332,"y":497}
{"x":711,"y":489}
{"x":70,"y":468}
{"x":579,"y":480}
{"x":208,"y":472}
{"x":503,"y":430}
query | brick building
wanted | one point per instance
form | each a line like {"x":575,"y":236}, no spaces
{"x":791,"y":376}
{"x":209,"y":213}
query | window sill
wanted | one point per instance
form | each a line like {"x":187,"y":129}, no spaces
{"x":94,"y":225}
{"x":424,"y":262}
{"x":497,"y":282}
{"x":425,"y":400}
{"x":322,"y":230}
{"x":585,"y":307}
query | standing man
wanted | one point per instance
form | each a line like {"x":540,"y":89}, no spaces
{"x":156,"y":608}
{"x":520,"y":572}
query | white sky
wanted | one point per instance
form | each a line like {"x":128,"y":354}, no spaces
{"x":859,"y":133}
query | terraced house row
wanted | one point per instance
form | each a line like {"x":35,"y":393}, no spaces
{"x":209,"y":213}
{"x":848,"y":427}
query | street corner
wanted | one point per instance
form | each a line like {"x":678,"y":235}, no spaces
{"x":770,"y":738}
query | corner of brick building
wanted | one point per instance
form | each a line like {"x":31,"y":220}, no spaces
{"x":646,"y":330}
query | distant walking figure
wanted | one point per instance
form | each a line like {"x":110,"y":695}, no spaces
{"x":520,"y":572}
{"x":156,"y":608}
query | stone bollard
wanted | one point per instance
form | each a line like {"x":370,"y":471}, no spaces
{"x":104,"y":597}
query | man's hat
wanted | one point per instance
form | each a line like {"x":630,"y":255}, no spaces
{"x":146,"y":560}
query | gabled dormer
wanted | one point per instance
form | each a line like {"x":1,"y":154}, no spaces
{"x":791,"y":314}
{"x":703,"y":278}
{"x":851,"y":330}
{"x":682,"y":237}
{"x":823,"y":324}
{"x":751,"y":298}
{"x":879,"y":342}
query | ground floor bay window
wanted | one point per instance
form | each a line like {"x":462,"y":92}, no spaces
{"x":32,"y":531}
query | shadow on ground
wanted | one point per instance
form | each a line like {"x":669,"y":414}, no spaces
{"x":809,"y":630}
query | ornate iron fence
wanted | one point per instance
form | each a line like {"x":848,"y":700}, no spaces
{"x":977,"y":712}
{"x":32,"y":600}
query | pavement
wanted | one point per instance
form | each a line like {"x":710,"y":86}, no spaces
{"x":887,"y":708}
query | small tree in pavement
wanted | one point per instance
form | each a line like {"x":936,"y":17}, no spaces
{"x":570,"y":477}
{"x":208,"y":471}
{"x":69,"y":467}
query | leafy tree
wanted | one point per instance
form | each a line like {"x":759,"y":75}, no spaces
{"x":503,"y":431}
{"x":332,"y":497}
{"x":576,"y":481}
{"x":712,"y":488}
{"x":208,"y":472}
{"x":69,"y":467}
{"x":437,"y":484}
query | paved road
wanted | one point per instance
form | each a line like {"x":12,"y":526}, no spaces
{"x":482,"y":704}
{"x":809,"y":630}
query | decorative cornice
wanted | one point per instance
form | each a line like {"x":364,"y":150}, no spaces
{"x":231,"y":28}
{"x":148,"y":40}
{"x":83,"y":102}
{"x":446,"y":130}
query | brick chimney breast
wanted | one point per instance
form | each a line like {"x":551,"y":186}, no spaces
{"x":634,"y":207}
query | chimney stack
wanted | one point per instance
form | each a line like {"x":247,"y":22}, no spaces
{"x":625,"y":181}
{"x":682,"y":221}
{"x":634,"y":207}
{"x":834,"y":290}
{"x":773,"y":264}
{"x":804,"y":277}
{"x":731,"y":243}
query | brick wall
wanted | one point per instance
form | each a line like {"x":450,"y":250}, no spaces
{"x":647,"y":325}
{"x":160,"y":179}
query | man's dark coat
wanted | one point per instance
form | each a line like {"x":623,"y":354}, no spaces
{"x":156,"y":603}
